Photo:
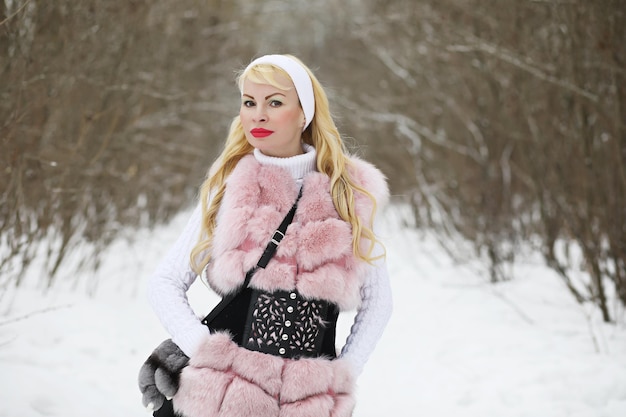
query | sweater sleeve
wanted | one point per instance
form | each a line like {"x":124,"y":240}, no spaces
{"x":372,"y":317}
{"x":167,"y":290}
{"x":376,"y":299}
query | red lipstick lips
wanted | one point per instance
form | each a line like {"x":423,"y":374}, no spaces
{"x":260,"y":132}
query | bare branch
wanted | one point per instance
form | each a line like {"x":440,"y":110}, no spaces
{"x":398,"y":70}
{"x":506,"y":56}
{"x":15,"y":13}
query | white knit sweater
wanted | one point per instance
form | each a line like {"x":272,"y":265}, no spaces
{"x":167,"y":288}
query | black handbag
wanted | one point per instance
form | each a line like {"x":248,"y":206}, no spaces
{"x":230,"y":314}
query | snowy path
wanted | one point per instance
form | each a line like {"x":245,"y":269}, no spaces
{"x":454,"y":347}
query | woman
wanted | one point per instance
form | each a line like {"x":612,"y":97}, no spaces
{"x":279,"y":359}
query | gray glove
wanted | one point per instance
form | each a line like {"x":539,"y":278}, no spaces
{"x":159,"y":376}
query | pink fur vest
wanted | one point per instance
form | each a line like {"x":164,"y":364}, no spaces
{"x":315,"y":257}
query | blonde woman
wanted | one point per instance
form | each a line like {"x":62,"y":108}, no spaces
{"x":274,"y":354}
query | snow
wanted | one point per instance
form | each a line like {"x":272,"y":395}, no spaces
{"x":455,"y":346}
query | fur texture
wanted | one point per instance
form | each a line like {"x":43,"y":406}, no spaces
{"x":224,"y":380}
{"x":315,"y":257}
{"x":159,"y":375}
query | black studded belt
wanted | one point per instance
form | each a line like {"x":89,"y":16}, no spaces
{"x":285,"y":324}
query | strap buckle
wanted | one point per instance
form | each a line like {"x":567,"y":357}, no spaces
{"x":277,"y":237}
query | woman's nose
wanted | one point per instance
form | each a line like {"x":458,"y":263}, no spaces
{"x":260,"y":115}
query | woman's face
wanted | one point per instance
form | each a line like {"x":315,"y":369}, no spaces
{"x":272,"y":118}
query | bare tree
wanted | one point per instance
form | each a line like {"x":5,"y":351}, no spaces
{"x":514,"y":118}
{"x":110,"y":115}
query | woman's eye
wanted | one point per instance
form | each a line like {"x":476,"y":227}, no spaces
{"x":248,"y":103}
{"x":276,"y":103}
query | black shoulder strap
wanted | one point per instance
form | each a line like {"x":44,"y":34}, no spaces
{"x":278,"y":235}
{"x":272,"y":245}
{"x":269,"y":252}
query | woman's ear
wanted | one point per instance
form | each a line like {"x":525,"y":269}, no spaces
{"x":303,"y":118}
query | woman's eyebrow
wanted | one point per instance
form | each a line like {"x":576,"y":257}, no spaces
{"x":271,"y":95}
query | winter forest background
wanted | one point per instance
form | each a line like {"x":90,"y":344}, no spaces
{"x":500,"y":123}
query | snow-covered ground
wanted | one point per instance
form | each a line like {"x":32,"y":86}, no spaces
{"x":455,"y":346}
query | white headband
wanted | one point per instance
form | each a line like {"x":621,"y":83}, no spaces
{"x":300,"y":78}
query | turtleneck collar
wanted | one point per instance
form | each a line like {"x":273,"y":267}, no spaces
{"x":298,"y":166}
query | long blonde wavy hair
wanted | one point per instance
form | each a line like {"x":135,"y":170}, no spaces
{"x":332,"y":160}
